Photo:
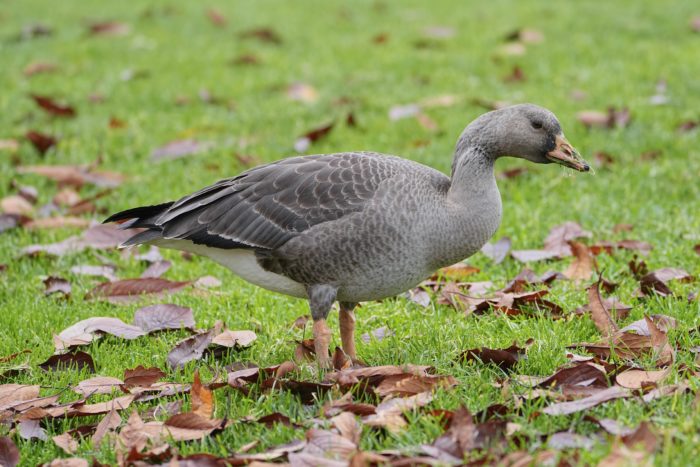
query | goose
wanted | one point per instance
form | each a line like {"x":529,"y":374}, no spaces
{"x":353,"y":226}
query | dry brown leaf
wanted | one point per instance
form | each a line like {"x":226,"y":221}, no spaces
{"x":639,"y":379}
{"x":58,"y":222}
{"x":164,"y":316}
{"x":79,"y":360}
{"x":302,"y":92}
{"x":190,"y":349}
{"x":130,"y":290}
{"x":409,"y":384}
{"x":17,"y":205}
{"x":566,"y":408}
{"x":497,"y":251}
{"x":14,"y":394}
{"x":57,"y":285}
{"x":142,"y":377}
{"x":216,"y":17}
{"x":31,"y":429}
{"x":348,"y":427}
{"x":98,"y":385}
{"x":66,"y":442}
{"x":504,"y":358}
{"x":83,"y":332}
{"x":599,"y":312}
{"x":229,"y":338}
{"x":52,"y":107}
{"x":35,"y":68}
{"x":303,"y":143}
{"x":41,"y":142}
{"x":456,"y":272}
{"x":581,"y":268}
{"x":110,"y":422}
{"x":202,"y":399}
{"x":74,"y":175}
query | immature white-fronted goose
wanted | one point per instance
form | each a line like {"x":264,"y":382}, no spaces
{"x":354,"y":226}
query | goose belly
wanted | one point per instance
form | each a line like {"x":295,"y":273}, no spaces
{"x":242,"y":263}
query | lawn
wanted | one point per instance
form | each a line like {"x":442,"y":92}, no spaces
{"x":168,"y":72}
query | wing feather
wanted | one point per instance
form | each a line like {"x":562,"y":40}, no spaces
{"x":265,"y":207}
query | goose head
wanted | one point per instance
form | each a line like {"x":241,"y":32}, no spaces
{"x":526,"y":131}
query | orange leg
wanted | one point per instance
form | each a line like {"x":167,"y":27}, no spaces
{"x":322,"y":339}
{"x":347,"y":329}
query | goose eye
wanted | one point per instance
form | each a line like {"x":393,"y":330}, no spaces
{"x":537,"y":125}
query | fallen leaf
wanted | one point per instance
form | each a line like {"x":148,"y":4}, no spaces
{"x":579,"y":374}
{"x":58,"y":222}
{"x":303,"y":143}
{"x":643,"y":247}
{"x":581,"y":268}
{"x":504,"y":358}
{"x":98,"y":385}
{"x":409,"y":384}
{"x":516,"y":75}
{"x":638,"y":379}
{"x":455,"y":272}
{"x":17,"y":205}
{"x":301,"y":321}
{"x":559,"y":237}
{"x":31,"y":429}
{"x":130,"y":290}
{"x":41,"y":142}
{"x":235,"y":338}
{"x":262,"y":34}
{"x":642,"y":439}
{"x":216,"y":17}
{"x":202,"y":399}
{"x":641,"y":327}
{"x":13,"y":394}
{"x":379,"y":334}
{"x":657,"y":281}
{"x":497,"y":251}
{"x":302,"y":92}
{"x":399,"y":112}
{"x":53,"y":107}
{"x":566,"y":408}
{"x":190,"y":349}
{"x":527,"y":256}
{"x":35,"y":68}
{"x":599,"y":313}
{"x":616,"y":309}
{"x":82,"y":332}
{"x":110,"y":422}
{"x":108,"y":28}
{"x":79,"y":360}
{"x":142,"y":377}
{"x":57,"y":285}
{"x":75,"y":175}
{"x":463,"y":435}
{"x":179,"y":149}
{"x":66,"y":442}
{"x":164,"y":316}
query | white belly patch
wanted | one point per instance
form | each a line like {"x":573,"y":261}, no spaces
{"x":242,"y":263}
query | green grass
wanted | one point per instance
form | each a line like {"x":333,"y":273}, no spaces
{"x":615,"y":53}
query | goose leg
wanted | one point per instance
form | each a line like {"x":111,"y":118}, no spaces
{"x":321,"y":298}
{"x":347,"y":328}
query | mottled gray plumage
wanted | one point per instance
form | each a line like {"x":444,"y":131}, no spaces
{"x":354,"y":226}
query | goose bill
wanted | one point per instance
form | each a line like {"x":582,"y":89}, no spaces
{"x":566,"y":155}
